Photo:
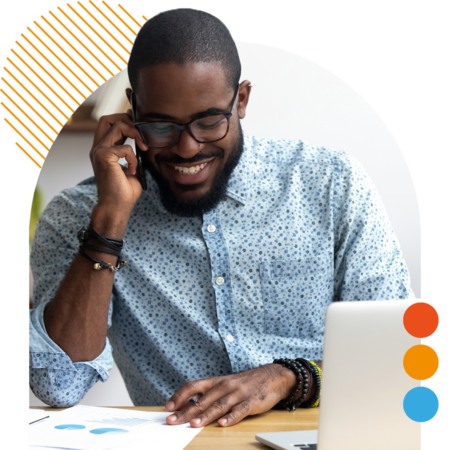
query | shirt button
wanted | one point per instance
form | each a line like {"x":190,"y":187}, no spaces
{"x":211,"y":228}
{"x":220,"y":281}
{"x":230,"y":338}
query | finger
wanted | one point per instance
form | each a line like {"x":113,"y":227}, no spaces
{"x":219,"y":408}
{"x":106,"y":122}
{"x":118,"y":133}
{"x":105,"y":156}
{"x":131,"y":159}
{"x":181,"y":397}
{"x":125,"y":169}
{"x":189,"y":412}
{"x":237,"y":413}
{"x":194,"y":399}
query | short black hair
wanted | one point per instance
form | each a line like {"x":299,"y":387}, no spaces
{"x":182,"y":36}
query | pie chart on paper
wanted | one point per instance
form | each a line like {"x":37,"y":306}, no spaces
{"x":70,"y":427}
{"x":108,"y":431}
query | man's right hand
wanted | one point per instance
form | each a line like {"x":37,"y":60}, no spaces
{"x":77,"y":317}
{"x":118,"y":187}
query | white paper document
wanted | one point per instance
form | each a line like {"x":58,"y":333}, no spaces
{"x":35,"y":415}
{"x":94,"y":428}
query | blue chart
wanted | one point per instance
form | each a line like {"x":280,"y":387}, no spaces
{"x":108,"y":431}
{"x":70,"y":427}
{"x":124,"y":422}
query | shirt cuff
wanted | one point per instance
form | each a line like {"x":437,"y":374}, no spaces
{"x":44,"y":353}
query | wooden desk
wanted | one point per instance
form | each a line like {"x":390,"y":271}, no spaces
{"x":242,"y":435}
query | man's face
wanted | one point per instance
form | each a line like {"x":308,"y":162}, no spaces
{"x":177,"y":93}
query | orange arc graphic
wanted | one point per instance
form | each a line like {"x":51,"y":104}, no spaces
{"x":51,"y":63}
{"x":420,"y":362}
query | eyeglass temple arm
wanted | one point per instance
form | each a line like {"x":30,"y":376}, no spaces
{"x":236,"y":96}
{"x":133,"y":106}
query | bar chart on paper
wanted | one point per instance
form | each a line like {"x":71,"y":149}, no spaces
{"x":108,"y":431}
{"x":121,"y":421}
{"x":93,"y":428}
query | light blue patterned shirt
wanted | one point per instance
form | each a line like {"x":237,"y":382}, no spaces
{"x":301,"y":226}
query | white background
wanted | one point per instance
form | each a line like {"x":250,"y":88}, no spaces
{"x":373,"y":82}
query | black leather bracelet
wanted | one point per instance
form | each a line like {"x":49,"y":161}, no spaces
{"x":99,"y":264}
{"x":89,"y":233}
{"x":97,"y":248}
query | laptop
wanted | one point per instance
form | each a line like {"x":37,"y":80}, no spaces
{"x":364,"y":383}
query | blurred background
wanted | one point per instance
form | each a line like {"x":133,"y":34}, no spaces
{"x":372,"y":82}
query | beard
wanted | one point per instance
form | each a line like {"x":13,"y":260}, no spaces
{"x":197,"y":206}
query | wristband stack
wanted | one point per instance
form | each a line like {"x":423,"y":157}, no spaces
{"x":302,"y":384}
{"x":110,"y":246}
{"x":299,"y":367}
{"x":316,"y":373}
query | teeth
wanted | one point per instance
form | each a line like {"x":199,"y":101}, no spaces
{"x":190,"y":170}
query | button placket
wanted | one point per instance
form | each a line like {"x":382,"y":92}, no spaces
{"x":220,"y":270}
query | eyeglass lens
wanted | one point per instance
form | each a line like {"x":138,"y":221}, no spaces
{"x":205,"y":129}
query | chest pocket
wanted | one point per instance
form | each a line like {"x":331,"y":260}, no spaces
{"x":296,"y":295}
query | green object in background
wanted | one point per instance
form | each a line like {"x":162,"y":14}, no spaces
{"x":35,"y":212}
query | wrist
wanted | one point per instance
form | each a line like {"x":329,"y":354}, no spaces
{"x":287,"y":380}
{"x":110,"y":221}
{"x":306,"y":392}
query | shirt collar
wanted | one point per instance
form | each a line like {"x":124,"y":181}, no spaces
{"x":238,"y":184}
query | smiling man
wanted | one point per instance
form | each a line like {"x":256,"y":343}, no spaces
{"x":192,"y":176}
{"x":233,"y":250}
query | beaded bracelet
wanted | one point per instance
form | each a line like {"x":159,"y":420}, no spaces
{"x":316,"y":373}
{"x":290,"y":364}
{"x":302,"y":384}
{"x":305,"y":387}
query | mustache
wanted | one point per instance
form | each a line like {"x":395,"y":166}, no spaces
{"x":176,"y":159}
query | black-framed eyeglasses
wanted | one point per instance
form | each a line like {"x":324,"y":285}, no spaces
{"x":164,"y":134}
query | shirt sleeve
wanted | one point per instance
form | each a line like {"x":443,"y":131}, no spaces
{"x":54,"y":378}
{"x":369,"y":264}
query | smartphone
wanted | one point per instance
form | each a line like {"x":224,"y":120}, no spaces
{"x":140,"y":172}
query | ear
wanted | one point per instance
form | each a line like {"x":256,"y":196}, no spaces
{"x":128,"y":92}
{"x":244,"y":95}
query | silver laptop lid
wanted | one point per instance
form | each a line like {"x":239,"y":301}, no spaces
{"x":289,"y":440}
{"x":364,"y":382}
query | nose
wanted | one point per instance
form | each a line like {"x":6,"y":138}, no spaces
{"x":187,"y":147}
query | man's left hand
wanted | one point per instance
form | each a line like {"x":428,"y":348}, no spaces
{"x":232,"y":397}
